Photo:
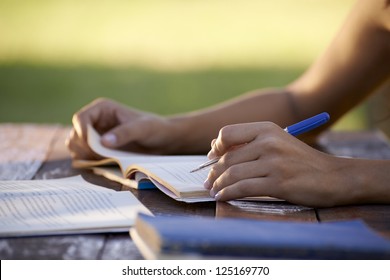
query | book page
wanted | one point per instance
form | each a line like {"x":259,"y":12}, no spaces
{"x":177,"y":176}
{"x":56,"y":206}
{"x":128,"y":158}
{"x":114,"y":174}
{"x":95,"y":144}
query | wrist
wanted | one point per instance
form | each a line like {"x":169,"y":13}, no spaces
{"x":187,"y":134}
{"x":373,"y":177}
{"x":362,"y":181}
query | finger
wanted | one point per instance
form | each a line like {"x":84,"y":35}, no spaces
{"x":210,"y":154}
{"x":71,"y":139}
{"x":102,"y":114}
{"x":247,"y":188}
{"x":78,"y":148}
{"x":239,"y":134}
{"x":137,"y":130}
{"x":88,"y":115}
{"x":239,"y":172}
{"x":245,"y":153}
{"x":80,"y":154}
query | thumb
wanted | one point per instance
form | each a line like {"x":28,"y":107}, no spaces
{"x":124,"y":133}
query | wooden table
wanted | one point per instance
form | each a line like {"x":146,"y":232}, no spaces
{"x":57,"y":164}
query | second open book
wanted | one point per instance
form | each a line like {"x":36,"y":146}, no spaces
{"x":170,"y":174}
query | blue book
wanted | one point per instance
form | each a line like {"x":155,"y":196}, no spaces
{"x":180,"y":237}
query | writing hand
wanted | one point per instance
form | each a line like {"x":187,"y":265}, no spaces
{"x":271,"y":163}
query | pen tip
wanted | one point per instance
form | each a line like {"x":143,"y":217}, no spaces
{"x":196,"y":169}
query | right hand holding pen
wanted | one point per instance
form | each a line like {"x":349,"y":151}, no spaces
{"x":270,"y":162}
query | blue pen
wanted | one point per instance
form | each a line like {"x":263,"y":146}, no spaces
{"x":295,"y":129}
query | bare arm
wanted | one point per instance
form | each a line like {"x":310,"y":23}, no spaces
{"x":353,"y":66}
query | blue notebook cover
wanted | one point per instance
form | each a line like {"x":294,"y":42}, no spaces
{"x":245,"y":238}
{"x":146,"y":185}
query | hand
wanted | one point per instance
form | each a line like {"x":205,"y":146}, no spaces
{"x":121,"y":127}
{"x":267,"y":161}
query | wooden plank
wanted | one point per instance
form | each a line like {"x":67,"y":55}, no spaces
{"x":78,"y":247}
{"x":120,"y":247}
{"x":160,"y":204}
{"x":23,"y":149}
{"x":58,"y":162}
{"x":375,"y":216}
{"x":356,"y":144}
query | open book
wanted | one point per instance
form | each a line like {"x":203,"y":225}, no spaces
{"x":171,"y":174}
{"x":180,"y":237}
{"x":64,"y":206}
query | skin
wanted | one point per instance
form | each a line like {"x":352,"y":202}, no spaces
{"x":274,"y":163}
{"x":258,"y":157}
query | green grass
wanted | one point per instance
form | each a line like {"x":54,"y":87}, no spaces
{"x":48,"y":94}
{"x":165,"y":56}
{"x":53,"y":94}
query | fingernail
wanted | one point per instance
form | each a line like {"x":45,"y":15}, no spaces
{"x":218,"y":196}
{"x":212,"y":193}
{"x":109,"y":139}
{"x":207,"y":184}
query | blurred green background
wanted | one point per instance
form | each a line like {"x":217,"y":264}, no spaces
{"x":165,"y":56}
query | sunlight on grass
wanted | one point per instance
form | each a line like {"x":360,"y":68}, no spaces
{"x":169,"y":34}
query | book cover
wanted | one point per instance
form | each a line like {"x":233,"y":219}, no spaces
{"x":193,"y":237}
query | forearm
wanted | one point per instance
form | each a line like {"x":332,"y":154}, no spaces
{"x":197,"y":129}
{"x":353,"y":66}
